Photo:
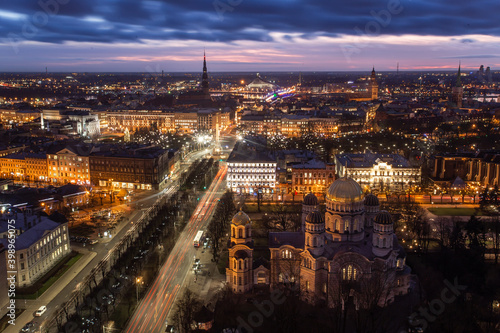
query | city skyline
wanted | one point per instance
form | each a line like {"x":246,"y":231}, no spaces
{"x":152,"y":36}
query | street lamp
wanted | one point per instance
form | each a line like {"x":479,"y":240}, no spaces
{"x":138,"y":281}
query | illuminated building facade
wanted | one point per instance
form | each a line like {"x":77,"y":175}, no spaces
{"x":312,"y":177}
{"x":250,"y":171}
{"x":144,"y":168}
{"x":68,"y":166}
{"x":24,"y":166}
{"x":40,"y":244}
{"x":482,"y":168}
{"x":378,"y":171}
{"x":185,"y":121}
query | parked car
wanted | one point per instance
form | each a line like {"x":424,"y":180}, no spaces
{"x":41,"y":310}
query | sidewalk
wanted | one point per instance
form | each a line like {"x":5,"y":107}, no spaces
{"x":32,"y":305}
{"x":207,"y":283}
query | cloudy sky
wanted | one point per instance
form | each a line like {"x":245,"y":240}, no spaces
{"x":248,"y":35}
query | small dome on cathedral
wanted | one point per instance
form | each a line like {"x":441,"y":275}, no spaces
{"x":240,"y":218}
{"x":345,"y":190}
{"x":314,"y":217}
{"x":383,"y":217}
{"x":310,"y":200}
{"x":371,"y":200}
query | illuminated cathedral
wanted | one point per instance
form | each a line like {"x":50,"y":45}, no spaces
{"x":347,"y":252}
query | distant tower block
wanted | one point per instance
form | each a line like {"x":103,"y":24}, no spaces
{"x":374,"y":85}
{"x":457,"y":92}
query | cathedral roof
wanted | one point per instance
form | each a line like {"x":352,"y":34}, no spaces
{"x":344,"y":190}
{"x":278,"y":239}
{"x":315,"y":218}
{"x":310,"y":200}
{"x":371,"y":200}
{"x":383,"y":217}
{"x":240,"y":218}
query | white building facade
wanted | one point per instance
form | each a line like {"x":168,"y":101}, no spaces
{"x":382,"y":172}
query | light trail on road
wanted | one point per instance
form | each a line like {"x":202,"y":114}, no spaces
{"x":153,"y":310}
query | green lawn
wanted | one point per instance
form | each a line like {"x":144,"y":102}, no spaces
{"x":46,"y":285}
{"x":455,"y":211}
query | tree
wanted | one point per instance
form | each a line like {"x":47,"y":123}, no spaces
{"x":495,"y":234}
{"x":457,"y":239}
{"x":185,"y":310}
{"x":475,"y":234}
{"x":283,"y":218}
{"x":221,"y":220}
{"x":444,"y":230}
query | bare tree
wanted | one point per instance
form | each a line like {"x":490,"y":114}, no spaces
{"x":443,"y":230}
{"x":283,"y":218}
{"x":185,"y":310}
{"x":495,"y":234}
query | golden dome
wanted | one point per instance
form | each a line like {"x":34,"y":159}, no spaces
{"x":240,"y":218}
{"x":344,"y":190}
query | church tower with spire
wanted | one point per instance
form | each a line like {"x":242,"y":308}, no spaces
{"x":373,"y":85}
{"x":457,"y":91}
{"x":204,"y":81}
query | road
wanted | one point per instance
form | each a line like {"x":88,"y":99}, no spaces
{"x":153,"y":310}
{"x":57,"y":294}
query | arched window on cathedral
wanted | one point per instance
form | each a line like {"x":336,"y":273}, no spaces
{"x":324,"y":287}
{"x":337,"y":225}
{"x":307,"y":285}
{"x":240,"y":233}
{"x":232,"y":229}
{"x":239,"y":264}
{"x":286,"y":254}
{"x":349,"y":273}
{"x":280,"y":277}
{"x":346,"y":226}
{"x":245,"y":264}
{"x":234,"y":264}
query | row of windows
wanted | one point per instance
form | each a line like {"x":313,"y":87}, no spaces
{"x":309,"y":181}
{"x":260,"y":177}
{"x":247,"y":165}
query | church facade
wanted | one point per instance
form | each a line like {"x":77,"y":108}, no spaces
{"x":349,"y":252}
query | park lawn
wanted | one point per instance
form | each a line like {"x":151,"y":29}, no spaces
{"x":62,"y":268}
{"x":455,"y":211}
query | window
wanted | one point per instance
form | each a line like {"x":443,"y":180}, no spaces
{"x":286,"y":254}
{"x":349,"y":273}
{"x":307,"y":285}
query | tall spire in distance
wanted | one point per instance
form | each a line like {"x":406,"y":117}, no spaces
{"x":458,"y":83}
{"x":204,"y":82}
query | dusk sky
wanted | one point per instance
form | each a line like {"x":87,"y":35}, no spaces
{"x":248,"y":35}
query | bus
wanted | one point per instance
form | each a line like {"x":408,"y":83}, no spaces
{"x":198,"y":238}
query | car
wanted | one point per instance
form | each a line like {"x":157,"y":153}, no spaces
{"x":28,"y":327}
{"x":93,"y":241}
{"x":41,"y":310}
